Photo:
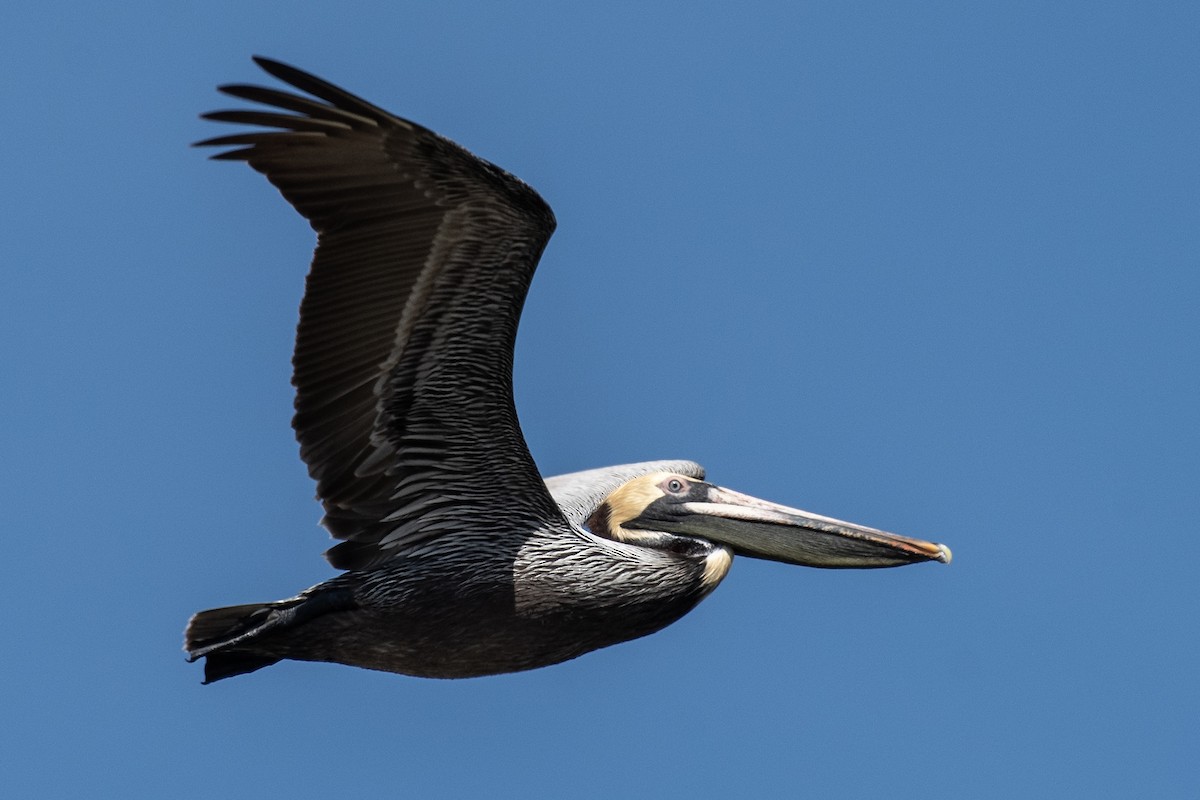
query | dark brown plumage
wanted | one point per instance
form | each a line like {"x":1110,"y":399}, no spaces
{"x":403,"y":217}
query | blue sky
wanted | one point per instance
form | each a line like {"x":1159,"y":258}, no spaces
{"x":932,"y":267}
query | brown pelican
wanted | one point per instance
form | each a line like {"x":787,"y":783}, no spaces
{"x":460,"y":559}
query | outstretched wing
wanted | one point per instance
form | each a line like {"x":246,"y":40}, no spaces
{"x":403,"y":361}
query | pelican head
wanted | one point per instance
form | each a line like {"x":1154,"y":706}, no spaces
{"x":667,"y":510}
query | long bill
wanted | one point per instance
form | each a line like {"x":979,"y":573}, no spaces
{"x":759,"y":529}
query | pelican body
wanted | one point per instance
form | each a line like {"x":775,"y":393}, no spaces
{"x":459,"y":559}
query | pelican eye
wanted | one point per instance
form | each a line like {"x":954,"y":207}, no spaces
{"x":676,"y":486}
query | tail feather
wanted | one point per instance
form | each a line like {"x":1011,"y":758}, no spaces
{"x":211,"y":635}
{"x":231,"y":639}
{"x":217,"y":625}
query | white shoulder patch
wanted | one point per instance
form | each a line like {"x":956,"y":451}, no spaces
{"x":716,"y":567}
